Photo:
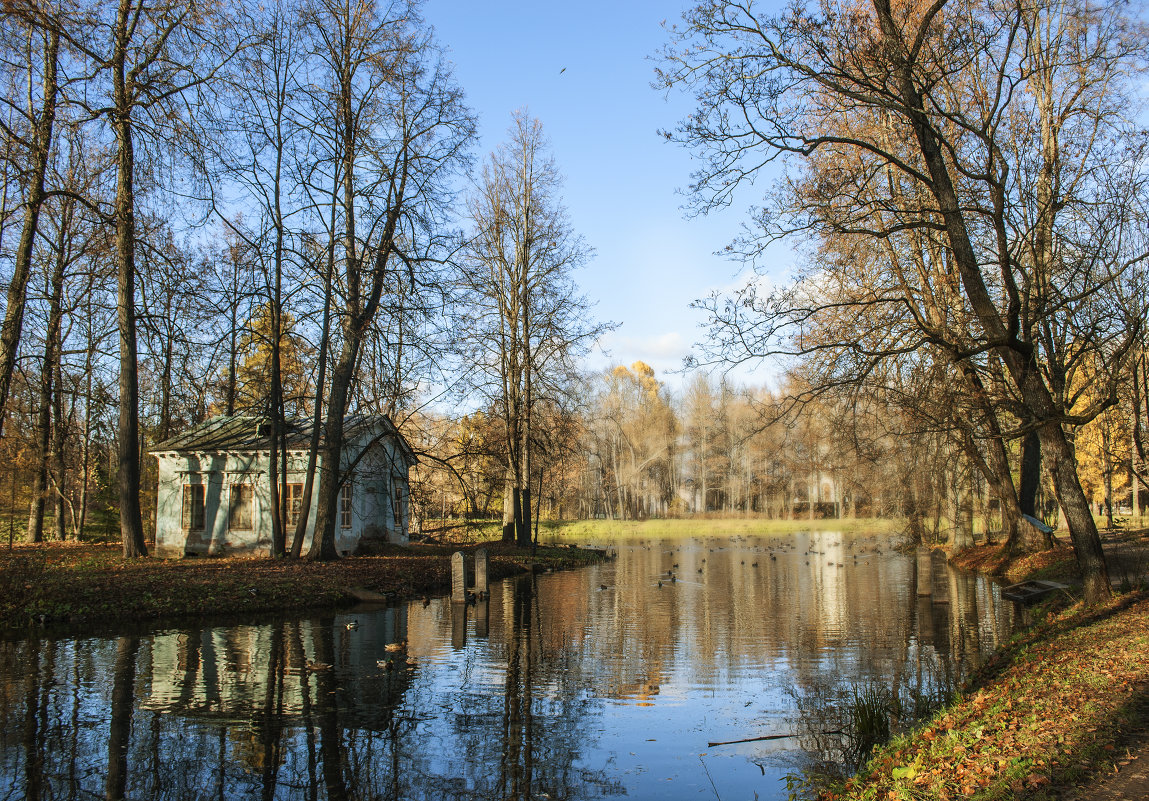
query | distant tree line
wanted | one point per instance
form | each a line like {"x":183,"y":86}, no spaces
{"x":635,"y":449}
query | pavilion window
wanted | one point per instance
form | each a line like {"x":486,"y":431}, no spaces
{"x":242,"y":501}
{"x":345,"y":506}
{"x":294,"y":503}
{"x":193,"y":507}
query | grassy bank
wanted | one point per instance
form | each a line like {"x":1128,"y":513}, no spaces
{"x":68,"y":583}
{"x":606,"y":531}
{"x":1048,"y":711}
{"x":1053,"y":710}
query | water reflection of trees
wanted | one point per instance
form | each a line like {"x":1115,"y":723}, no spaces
{"x":255,"y":711}
{"x":237,"y":711}
{"x":195,"y":713}
{"x":943,"y":637}
{"x":520,"y":719}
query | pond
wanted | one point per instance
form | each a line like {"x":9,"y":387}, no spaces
{"x":606,"y":681}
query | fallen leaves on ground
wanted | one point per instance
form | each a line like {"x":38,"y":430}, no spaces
{"x":68,"y":582}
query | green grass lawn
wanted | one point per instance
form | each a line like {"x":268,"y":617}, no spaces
{"x":614,"y":530}
{"x":607,"y":531}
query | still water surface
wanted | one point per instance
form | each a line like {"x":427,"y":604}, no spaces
{"x":586,"y":684}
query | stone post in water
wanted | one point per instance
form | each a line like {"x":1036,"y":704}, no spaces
{"x":458,"y":578}
{"x":481,"y":563}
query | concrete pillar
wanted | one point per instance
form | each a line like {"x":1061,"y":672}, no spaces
{"x":458,"y":577}
{"x":481,"y":563}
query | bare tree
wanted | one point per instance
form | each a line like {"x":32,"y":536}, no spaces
{"x":145,"y":58}
{"x":517,"y":276}
{"x":28,"y":125}
{"x":257,"y":156}
{"x":398,"y":129}
{"x":922,"y":122}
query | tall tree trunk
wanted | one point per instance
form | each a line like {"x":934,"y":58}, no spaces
{"x":59,"y":428}
{"x":523,"y":508}
{"x":330,"y":473}
{"x":1062,"y":467}
{"x":233,"y":332}
{"x":128,"y":428}
{"x":508,"y":507}
{"x":276,"y":472}
{"x":48,"y":371}
{"x":277,"y":457}
{"x":35,"y":531}
{"x":1018,"y":357}
{"x":86,"y":445}
{"x":1030,"y":473}
{"x":39,"y":156}
{"x":317,"y":413}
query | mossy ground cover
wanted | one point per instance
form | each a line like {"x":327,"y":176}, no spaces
{"x":1045,"y":713}
{"x":84,"y":583}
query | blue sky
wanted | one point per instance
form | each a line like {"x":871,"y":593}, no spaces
{"x":584,"y":70}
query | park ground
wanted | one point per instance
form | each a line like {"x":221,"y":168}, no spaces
{"x":74,"y":583}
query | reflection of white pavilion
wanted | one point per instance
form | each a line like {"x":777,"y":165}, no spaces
{"x":229,"y":672}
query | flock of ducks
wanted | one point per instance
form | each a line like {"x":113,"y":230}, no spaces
{"x":387,"y":665}
{"x":865,"y":546}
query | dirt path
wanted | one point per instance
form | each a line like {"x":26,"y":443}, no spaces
{"x":1130,"y":780}
{"x":1127,"y":556}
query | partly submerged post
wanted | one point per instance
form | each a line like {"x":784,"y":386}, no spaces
{"x":458,"y":577}
{"x":925,"y":571}
{"x":458,"y":626}
{"x":481,"y":562}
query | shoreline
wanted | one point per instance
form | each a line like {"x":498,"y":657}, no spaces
{"x":1060,"y":711}
{"x":1047,"y":716}
{"x":68,"y":585}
